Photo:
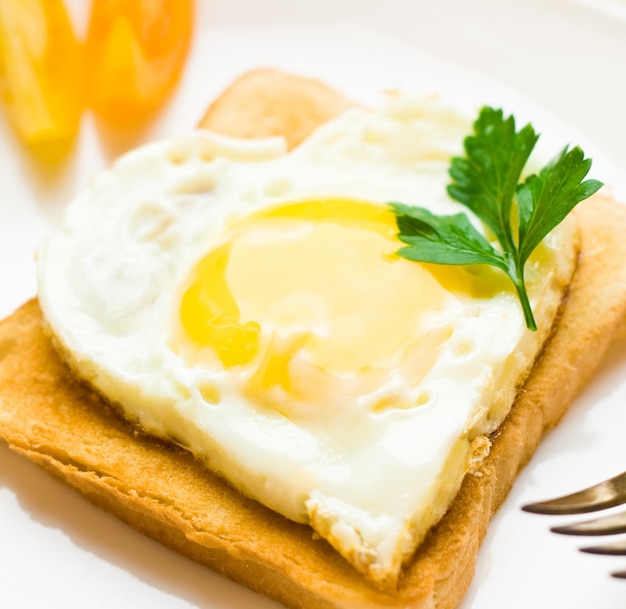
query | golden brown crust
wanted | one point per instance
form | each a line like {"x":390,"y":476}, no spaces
{"x":46,"y":415}
{"x":620,"y":331}
{"x":266,"y":103}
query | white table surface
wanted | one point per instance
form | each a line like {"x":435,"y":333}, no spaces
{"x":559,"y":61}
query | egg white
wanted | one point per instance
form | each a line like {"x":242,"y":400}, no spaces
{"x":371,"y":481}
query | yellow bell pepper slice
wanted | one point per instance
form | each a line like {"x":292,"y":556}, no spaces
{"x":41,"y":74}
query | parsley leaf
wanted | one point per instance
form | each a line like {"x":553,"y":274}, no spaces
{"x":442,"y":239}
{"x":544,"y":200}
{"x":487,"y":181}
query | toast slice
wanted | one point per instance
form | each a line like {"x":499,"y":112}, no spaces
{"x":266,"y":103}
{"x":53,"y":419}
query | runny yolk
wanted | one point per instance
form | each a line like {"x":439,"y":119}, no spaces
{"x":311,"y":289}
{"x":210,"y":313}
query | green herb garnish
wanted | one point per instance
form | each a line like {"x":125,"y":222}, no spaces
{"x":487,"y":181}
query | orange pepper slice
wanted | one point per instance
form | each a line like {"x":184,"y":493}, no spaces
{"x":41,"y":74}
{"x":136,"y":51}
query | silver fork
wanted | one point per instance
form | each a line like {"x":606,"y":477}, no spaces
{"x":609,"y":493}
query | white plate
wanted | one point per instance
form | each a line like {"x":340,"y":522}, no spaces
{"x":58,"y":551}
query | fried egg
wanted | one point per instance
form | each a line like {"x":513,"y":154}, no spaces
{"x":247,"y":303}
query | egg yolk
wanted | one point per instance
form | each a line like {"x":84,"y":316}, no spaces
{"x":312,"y":296}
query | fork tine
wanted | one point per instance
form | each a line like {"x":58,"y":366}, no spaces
{"x":607,"y":525}
{"x":600,"y":496}
{"x":617,"y":548}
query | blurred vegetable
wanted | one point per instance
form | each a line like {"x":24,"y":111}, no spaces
{"x":136,"y":50}
{"x":40,"y":74}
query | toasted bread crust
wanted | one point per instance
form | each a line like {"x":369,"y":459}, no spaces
{"x":265,"y":103}
{"x":51,"y":418}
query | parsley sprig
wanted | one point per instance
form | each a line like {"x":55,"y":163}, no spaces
{"x":487,"y":181}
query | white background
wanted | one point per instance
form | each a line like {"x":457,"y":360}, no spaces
{"x":561,"y":62}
